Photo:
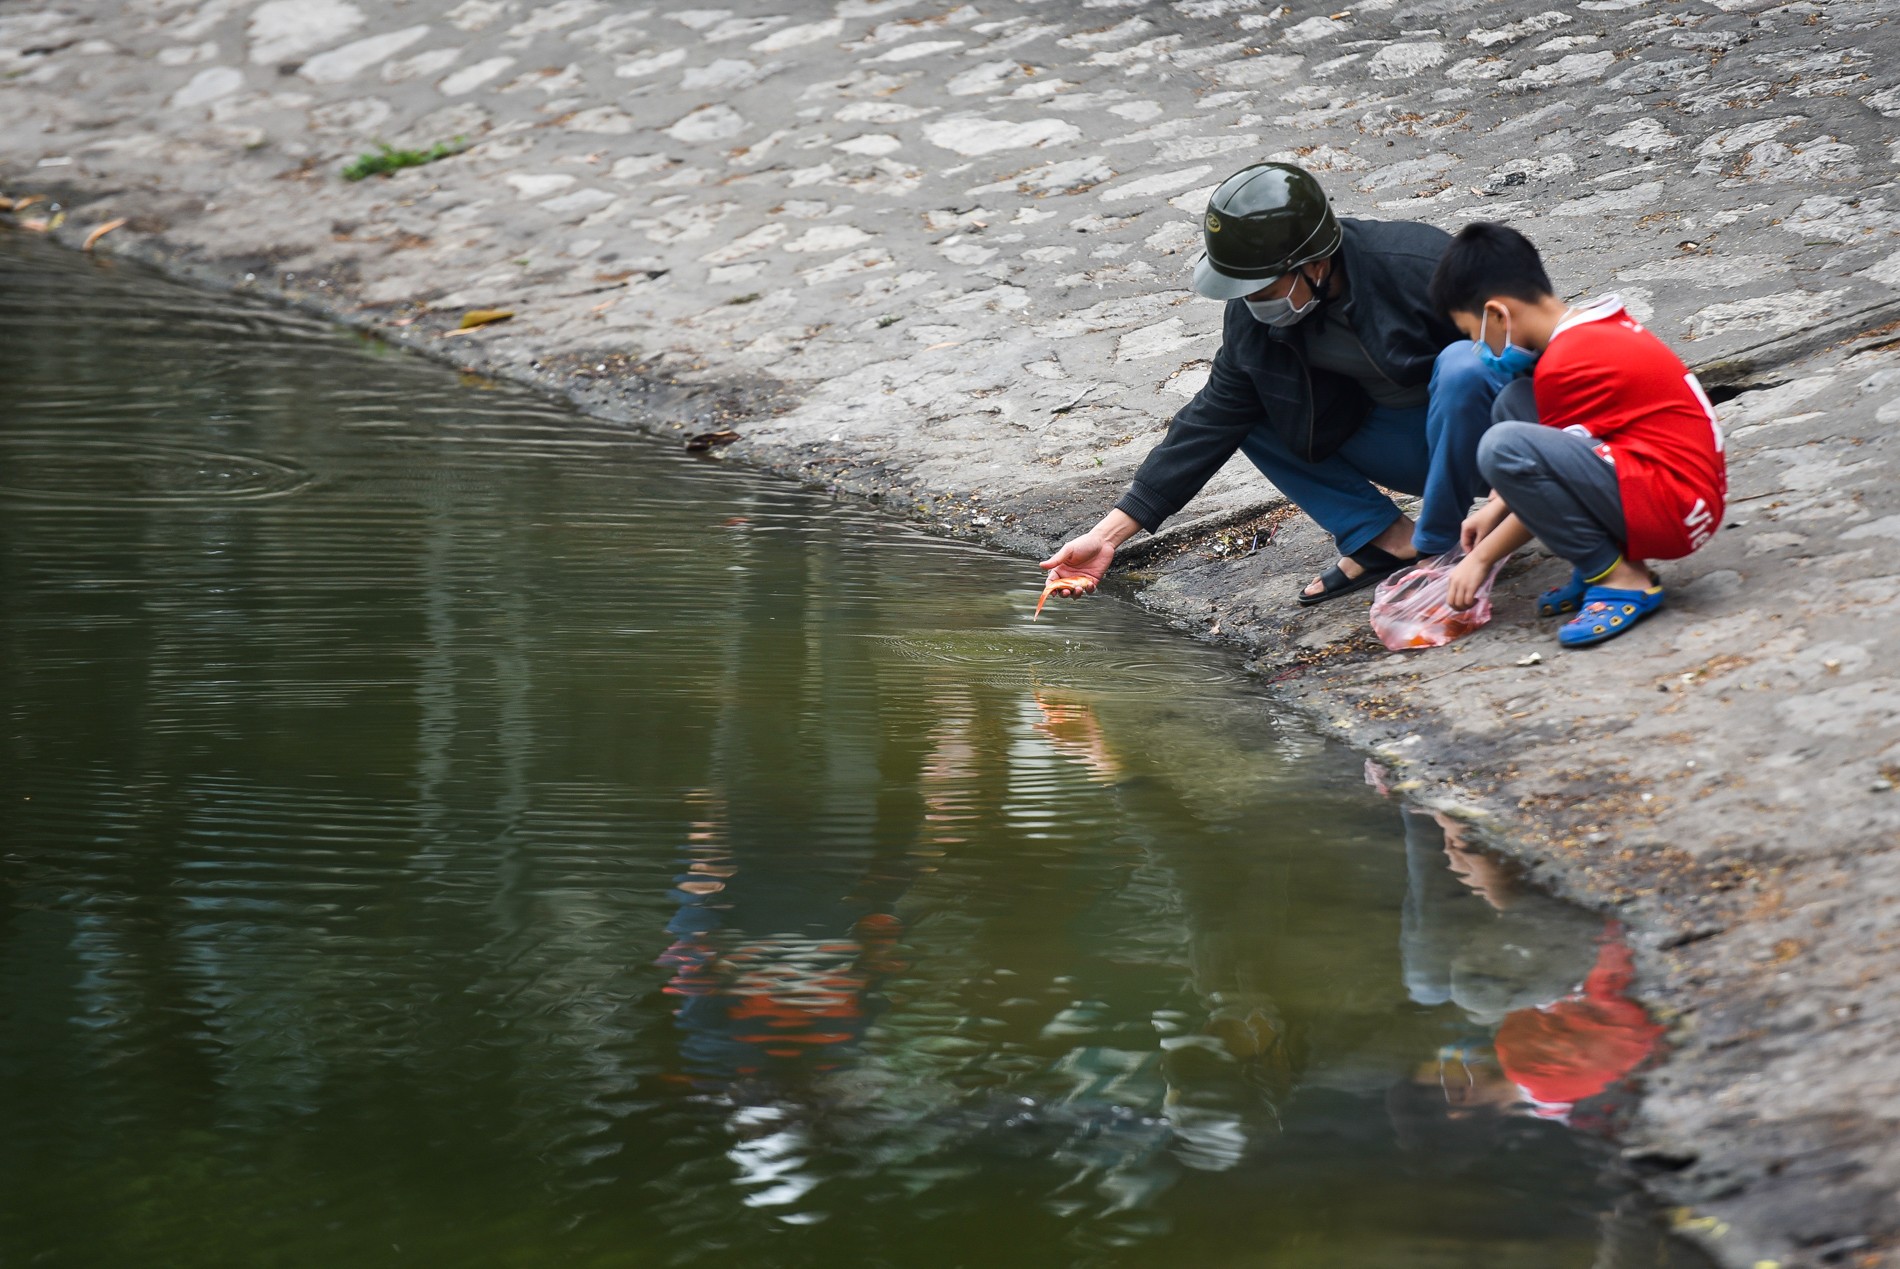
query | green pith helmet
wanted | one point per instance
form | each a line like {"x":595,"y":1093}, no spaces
{"x":1262,"y":222}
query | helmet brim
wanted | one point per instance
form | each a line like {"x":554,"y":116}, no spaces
{"x":1216,"y":285}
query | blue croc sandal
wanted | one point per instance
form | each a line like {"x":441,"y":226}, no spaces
{"x":1559,"y":600}
{"x":1607,"y":613}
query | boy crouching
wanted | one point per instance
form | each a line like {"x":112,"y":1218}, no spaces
{"x":1611,"y":458}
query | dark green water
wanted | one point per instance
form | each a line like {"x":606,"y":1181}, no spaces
{"x":438,"y":830}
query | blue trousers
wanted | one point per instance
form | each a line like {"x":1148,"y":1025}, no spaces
{"x":1430,"y":450}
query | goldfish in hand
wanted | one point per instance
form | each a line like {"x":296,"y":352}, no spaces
{"x":1080,"y":585}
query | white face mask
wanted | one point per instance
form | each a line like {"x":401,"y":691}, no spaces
{"x":1282,"y":312}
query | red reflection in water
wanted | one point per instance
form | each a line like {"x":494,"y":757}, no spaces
{"x":773,"y":1000}
{"x":1072,"y":730}
{"x":1572,"y":1049}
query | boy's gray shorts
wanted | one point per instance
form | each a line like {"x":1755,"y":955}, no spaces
{"x":1554,"y":482}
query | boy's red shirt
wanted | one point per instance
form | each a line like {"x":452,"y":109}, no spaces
{"x":1604,"y":376}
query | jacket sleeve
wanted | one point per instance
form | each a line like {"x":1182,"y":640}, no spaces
{"x":1202,"y":437}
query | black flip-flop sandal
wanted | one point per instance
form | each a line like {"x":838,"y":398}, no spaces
{"x":1378,"y":564}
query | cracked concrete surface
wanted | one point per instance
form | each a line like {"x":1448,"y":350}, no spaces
{"x":936,"y":254}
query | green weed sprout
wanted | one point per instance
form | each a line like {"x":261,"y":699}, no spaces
{"x":388,"y":158}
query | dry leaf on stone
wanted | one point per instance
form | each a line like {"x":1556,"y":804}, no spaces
{"x":483,"y":316}
{"x":100,"y":231}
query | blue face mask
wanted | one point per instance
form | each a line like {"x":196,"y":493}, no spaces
{"x":1513,"y":361}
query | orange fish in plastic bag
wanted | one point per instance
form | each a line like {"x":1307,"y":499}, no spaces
{"x":1410,"y":608}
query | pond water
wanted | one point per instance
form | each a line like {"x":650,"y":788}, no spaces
{"x":438,"y":829}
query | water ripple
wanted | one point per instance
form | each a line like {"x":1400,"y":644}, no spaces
{"x":49,"y":467}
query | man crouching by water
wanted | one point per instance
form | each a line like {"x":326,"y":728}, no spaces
{"x":1336,"y":375}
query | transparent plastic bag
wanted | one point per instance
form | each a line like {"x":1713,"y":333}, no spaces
{"x":1409,"y":610}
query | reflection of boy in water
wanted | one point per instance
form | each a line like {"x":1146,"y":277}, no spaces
{"x":1473,"y":935}
{"x":1573,"y":1049}
{"x":1468,"y":917}
{"x":1513,"y":962}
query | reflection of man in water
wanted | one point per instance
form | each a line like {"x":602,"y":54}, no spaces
{"x":1241,"y":1058}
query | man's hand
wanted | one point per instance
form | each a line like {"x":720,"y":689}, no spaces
{"x":1466,"y":581}
{"x":1090,"y":555}
{"x":1087,"y":556}
{"x":1478,"y":524}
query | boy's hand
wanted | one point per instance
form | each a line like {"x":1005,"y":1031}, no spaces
{"x":1478,"y":524}
{"x":1466,"y":580}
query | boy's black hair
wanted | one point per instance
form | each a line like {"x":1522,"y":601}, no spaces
{"x":1487,"y":260}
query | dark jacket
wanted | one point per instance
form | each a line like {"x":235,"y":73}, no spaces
{"x":1261,"y":375}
